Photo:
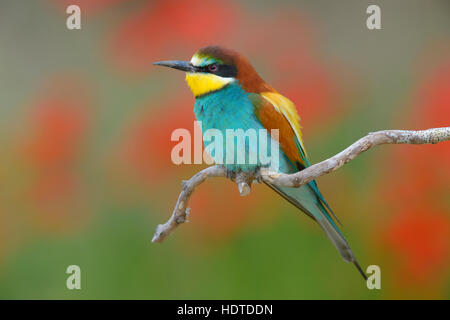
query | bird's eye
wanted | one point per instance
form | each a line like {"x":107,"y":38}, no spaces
{"x":212,"y":67}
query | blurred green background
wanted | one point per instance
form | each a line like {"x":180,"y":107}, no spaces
{"x":86,"y":173}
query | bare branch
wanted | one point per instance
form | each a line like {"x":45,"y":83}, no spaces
{"x":371,"y":140}
{"x":244,"y":180}
{"x":181,"y":211}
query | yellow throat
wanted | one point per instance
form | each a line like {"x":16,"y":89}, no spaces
{"x":202,"y":83}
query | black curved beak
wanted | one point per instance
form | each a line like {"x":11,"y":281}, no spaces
{"x":179,"y":65}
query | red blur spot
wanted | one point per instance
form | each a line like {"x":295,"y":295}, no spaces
{"x":53,"y":137}
{"x":147,"y":34}
{"x":147,"y":146}
{"x":419,"y":240}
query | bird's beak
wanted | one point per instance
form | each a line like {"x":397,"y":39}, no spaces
{"x":180,"y":65}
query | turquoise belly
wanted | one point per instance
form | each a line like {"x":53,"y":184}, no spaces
{"x":230,"y":108}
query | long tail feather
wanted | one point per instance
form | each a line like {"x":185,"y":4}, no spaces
{"x":306,"y":199}
{"x":360,"y":269}
{"x":290,"y":199}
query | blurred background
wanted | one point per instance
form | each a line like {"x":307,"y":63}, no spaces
{"x":86,"y":173}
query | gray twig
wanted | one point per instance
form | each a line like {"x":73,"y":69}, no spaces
{"x":243,"y":180}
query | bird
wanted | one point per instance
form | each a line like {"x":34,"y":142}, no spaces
{"x":230,"y":94}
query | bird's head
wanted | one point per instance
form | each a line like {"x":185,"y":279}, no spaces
{"x":212,"y":68}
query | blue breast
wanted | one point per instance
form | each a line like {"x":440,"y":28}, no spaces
{"x":231,"y":108}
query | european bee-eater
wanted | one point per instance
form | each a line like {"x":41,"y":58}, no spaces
{"x":229,"y":94}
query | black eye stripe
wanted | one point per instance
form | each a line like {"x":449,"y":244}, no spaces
{"x":223,"y":70}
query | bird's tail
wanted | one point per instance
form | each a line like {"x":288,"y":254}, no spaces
{"x":309,"y":200}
